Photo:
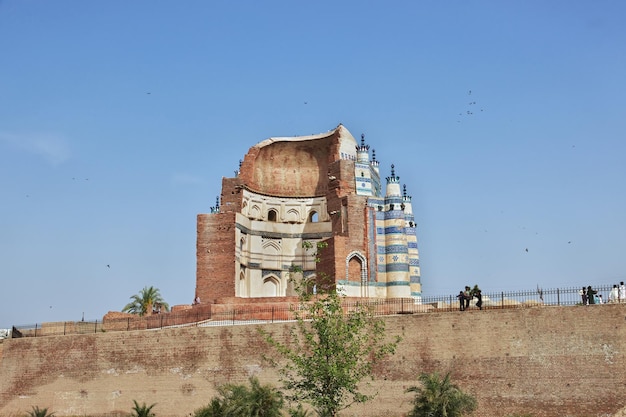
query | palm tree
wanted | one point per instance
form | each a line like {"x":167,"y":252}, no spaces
{"x":243,"y":401}
{"x":142,"y":303}
{"x":440,"y":397}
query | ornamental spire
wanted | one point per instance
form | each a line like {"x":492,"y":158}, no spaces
{"x":393,"y":178}
{"x":405,"y":196}
{"x":362,"y":151}
{"x":374,"y":162}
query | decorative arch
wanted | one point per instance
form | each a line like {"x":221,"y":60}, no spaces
{"x":242,"y":244}
{"x":254,"y":212}
{"x":271,"y":286}
{"x":271,"y":250}
{"x":356,"y":262}
{"x":242,"y":284}
{"x":292,"y":216}
{"x":271,"y":246}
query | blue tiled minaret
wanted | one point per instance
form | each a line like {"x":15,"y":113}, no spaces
{"x":396,"y":246}
{"x":411,"y":238}
{"x":362,"y":171}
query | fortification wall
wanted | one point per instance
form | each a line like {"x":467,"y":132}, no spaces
{"x":549,"y":361}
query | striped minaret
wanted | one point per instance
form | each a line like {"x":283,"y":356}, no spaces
{"x":362,"y":172}
{"x":411,"y":238}
{"x":396,"y":247}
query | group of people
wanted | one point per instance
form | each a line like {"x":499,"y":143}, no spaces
{"x":465,"y":296}
{"x":591,"y":296}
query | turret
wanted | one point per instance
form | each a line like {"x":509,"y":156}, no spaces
{"x":393,"y":185}
{"x":363,"y":170}
{"x":362,"y":151}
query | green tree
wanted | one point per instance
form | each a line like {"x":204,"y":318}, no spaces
{"x":331,"y":351}
{"x":242,"y":401}
{"x":142,"y":410}
{"x":147,"y":298}
{"x":439,"y":397}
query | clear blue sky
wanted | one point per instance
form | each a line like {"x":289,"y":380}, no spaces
{"x":118,"y":120}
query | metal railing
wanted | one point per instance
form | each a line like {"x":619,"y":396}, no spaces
{"x":239,"y":314}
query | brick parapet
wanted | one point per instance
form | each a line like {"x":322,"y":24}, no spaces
{"x":545,"y":361}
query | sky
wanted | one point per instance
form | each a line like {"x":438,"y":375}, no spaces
{"x":506,"y":120}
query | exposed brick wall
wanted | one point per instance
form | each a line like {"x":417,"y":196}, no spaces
{"x":215,"y":256}
{"x":290,"y":168}
{"x":349,"y":223}
{"x":230,"y":201}
{"x":548,"y":361}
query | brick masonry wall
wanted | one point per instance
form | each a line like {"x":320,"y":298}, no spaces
{"x":548,"y":361}
{"x":215,"y":256}
{"x":290,"y":168}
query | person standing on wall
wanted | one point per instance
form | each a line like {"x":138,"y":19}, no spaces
{"x":478,"y":294}
{"x":468,"y":297}
{"x":614,"y":294}
{"x":461,"y":298}
{"x":591,"y":299}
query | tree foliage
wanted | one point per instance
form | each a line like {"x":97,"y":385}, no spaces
{"x":242,"y":401}
{"x":331,"y":351}
{"x":438,"y":396}
{"x":144,"y":300}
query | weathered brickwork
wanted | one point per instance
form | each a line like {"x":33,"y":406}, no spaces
{"x":292,"y":190}
{"x":215,"y":268}
{"x":548,"y":361}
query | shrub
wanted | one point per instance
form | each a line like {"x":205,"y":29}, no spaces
{"x":242,"y":401}
{"x":142,"y":410}
{"x":39,"y":412}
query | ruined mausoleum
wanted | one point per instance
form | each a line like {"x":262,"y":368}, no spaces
{"x":291,"y":190}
